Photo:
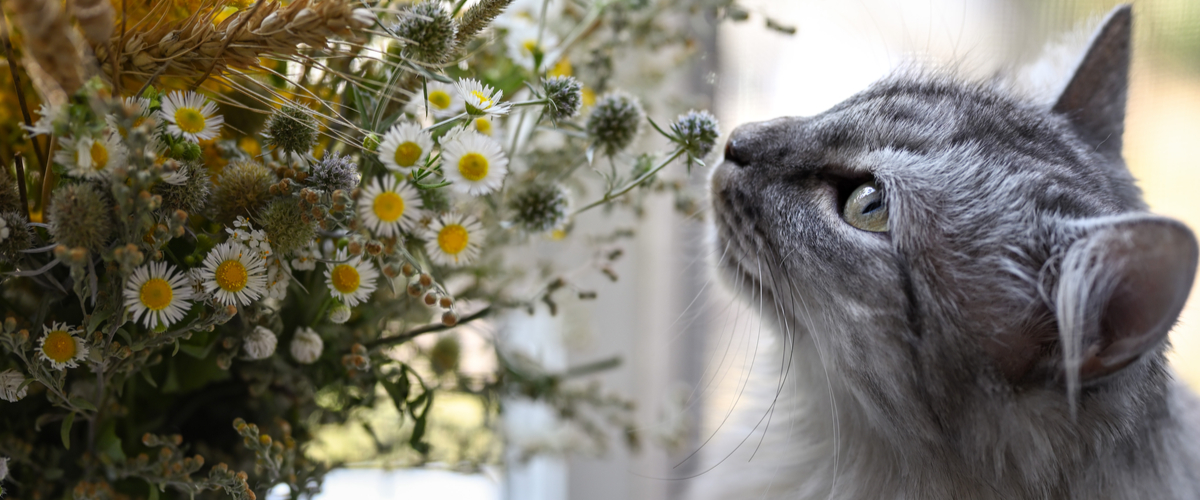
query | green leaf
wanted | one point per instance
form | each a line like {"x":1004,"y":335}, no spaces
{"x":149,"y":380}
{"x":398,"y":390}
{"x":109,"y":444}
{"x":66,"y":430}
{"x":80,"y":402}
{"x":153,"y":491}
{"x":672,"y":137}
{"x":418,"y":434}
{"x":97,"y":317}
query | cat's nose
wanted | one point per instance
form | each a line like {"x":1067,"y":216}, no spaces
{"x":735,"y":151}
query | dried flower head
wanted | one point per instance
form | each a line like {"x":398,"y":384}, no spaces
{"x":540,"y":207}
{"x":306,"y":346}
{"x":259,"y":343}
{"x":615,"y":122}
{"x":192,"y":194}
{"x":340,"y":314}
{"x":285,"y":227}
{"x":696,"y":132}
{"x":428,"y":31}
{"x":334,"y":172}
{"x":565,"y":96}
{"x":292,"y":129}
{"x":242,"y":190}
{"x":80,"y":217}
{"x":10,"y":390}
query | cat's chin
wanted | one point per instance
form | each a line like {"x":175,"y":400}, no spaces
{"x":739,"y":250}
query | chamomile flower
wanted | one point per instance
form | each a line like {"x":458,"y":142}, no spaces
{"x":305,"y":259}
{"x":486,"y":125}
{"x":474,"y":163}
{"x":61,"y":347}
{"x":191,"y":116}
{"x":404,"y":147}
{"x":234,"y":274}
{"x":439,"y":100}
{"x":453,"y":239}
{"x":47,"y":116}
{"x":157,"y":294}
{"x":351,"y":280}
{"x":140,"y":108}
{"x":526,"y":44}
{"x":481,"y":99}
{"x":90,"y":157}
{"x":386,"y":206}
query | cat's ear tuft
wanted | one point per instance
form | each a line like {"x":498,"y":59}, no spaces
{"x":1094,"y":98}
{"x":1120,"y":289}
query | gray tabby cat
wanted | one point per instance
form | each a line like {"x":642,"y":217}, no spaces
{"x":975,"y":296}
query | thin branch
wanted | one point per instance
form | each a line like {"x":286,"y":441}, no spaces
{"x":21,"y":186}
{"x":430,"y":328}
{"x":12,"y":67}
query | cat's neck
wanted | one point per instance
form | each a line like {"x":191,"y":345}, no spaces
{"x":822,"y":444}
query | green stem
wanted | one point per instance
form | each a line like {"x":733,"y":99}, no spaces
{"x":448,"y":120}
{"x":613,"y":195}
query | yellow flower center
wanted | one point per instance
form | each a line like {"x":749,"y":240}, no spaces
{"x":407,"y":154}
{"x":562,"y":68}
{"x":484,"y":126}
{"x":345,"y":278}
{"x":530,"y":45}
{"x":99,"y":156}
{"x":59,"y":346}
{"x":156,"y":294}
{"x":439,"y":99}
{"x":485,"y":100}
{"x":388,"y":206}
{"x":231,"y":276}
{"x":189,"y":120}
{"x":453,"y":239}
{"x":473,"y":166}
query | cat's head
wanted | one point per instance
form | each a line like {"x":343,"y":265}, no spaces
{"x":960,"y":254}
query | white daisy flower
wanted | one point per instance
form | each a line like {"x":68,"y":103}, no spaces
{"x":141,"y":111}
{"x":439,"y":100}
{"x":306,"y":346}
{"x":61,"y":347}
{"x":191,"y":116}
{"x":386,"y":206}
{"x":487,"y":125}
{"x":523,"y":43}
{"x":339,"y":314}
{"x":305,"y":259}
{"x":44,"y":125}
{"x":453,"y":239}
{"x":177,"y":178}
{"x":90,"y":157}
{"x":474,"y":163}
{"x":481,"y":99}
{"x":404,"y":147}
{"x":259,"y":343}
{"x":234,"y":274}
{"x":157,"y":294}
{"x":279,"y":275}
{"x":10,"y":387}
{"x":352,"y":280}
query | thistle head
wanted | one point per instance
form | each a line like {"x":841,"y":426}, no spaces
{"x":80,"y":217}
{"x":565,"y":96}
{"x":540,"y":207}
{"x":285,"y":225}
{"x":428,"y":31}
{"x":696,"y":132}
{"x":615,"y":122}
{"x":243,"y":189}
{"x":334,"y":172}
{"x":292,"y":129}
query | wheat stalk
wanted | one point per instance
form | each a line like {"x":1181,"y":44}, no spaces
{"x":52,"y":48}
{"x":195,"y":47}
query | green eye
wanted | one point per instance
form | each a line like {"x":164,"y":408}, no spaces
{"x":866,"y":209}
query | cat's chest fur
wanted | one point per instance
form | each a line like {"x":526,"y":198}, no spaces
{"x":968,"y":296}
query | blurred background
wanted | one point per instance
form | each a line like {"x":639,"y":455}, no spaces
{"x":685,"y":345}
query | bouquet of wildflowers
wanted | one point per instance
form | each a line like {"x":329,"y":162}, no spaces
{"x":223,"y":225}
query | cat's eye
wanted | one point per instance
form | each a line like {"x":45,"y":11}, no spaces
{"x":866,"y":209}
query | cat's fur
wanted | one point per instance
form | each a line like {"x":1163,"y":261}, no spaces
{"x":1003,"y":340}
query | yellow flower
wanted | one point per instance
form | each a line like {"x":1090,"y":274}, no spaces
{"x":61,"y":347}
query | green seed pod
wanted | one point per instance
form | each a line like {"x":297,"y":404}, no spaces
{"x":292,"y":129}
{"x":540,"y":207}
{"x":615,"y":122}
{"x":80,"y":217}
{"x":285,"y":226}
{"x":243,"y":189}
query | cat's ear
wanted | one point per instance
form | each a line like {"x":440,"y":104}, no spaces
{"x":1094,"y":98}
{"x":1120,"y":289}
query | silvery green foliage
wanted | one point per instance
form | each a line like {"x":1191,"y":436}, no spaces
{"x":1003,"y":339}
{"x":427,"y":30}
{"x":615,"y":122}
